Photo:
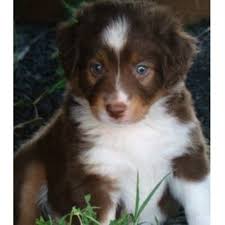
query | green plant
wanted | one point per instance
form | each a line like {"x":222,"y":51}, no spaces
{"x":87,"y":216}
{"x":70,"y":7}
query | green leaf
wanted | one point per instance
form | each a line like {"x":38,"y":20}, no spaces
{"x":59,"y":85}
{"x":62,"y":221}
{"x":70,"y":10}
{"x":87,"y":199}
{"x":71,"y":7}
{"x":93,"y":220}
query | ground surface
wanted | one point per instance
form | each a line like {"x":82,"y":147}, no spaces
{"x":38,"y":81}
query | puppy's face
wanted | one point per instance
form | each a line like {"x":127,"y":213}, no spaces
{"x":123,"y":57}
{"x":119,"y":77}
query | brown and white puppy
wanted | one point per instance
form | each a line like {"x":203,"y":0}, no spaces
{"x":126,"y":111}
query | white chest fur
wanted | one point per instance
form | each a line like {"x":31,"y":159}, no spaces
{"x":146,"y":147}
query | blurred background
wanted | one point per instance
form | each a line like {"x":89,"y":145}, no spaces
{"x":51,"y":11}
{"x":38,"y":77}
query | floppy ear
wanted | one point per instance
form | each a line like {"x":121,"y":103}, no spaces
{"x":178,"y":61}
{"x":66,"y":40}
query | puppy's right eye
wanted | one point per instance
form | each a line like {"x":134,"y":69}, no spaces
{"x":97,"y":68}
{"x":142,"y":70}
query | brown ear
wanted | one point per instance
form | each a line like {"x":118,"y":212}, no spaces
{"x":66,"y":39}
{"x":178,"y":61}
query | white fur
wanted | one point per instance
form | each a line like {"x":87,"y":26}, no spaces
{"x":43,"y":204}
{"x":194,"y":196}
{"x":42,"y":198}
{"x":122,"y":97}
{"x":115,"y":34}
{"x":147,"y":147}
{"x":118,"y":85}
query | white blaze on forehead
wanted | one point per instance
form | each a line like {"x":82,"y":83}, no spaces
{"x":115,"y":34}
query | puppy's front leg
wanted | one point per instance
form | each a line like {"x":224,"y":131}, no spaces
{"x":194,"y":196}
{"x":105,"y":209}
{"x":190,"y":185}
{"x":104,"y":197}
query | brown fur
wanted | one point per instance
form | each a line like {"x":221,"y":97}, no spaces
{"x":168,"y":204}
{"x":195,"y":165}
{"x":180,"y":105}
{"x":66,"y":179}
{"x":34,"y":178}
{"x":155,"y":35}
{"x":192,"y":166}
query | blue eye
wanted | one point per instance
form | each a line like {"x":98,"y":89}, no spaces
{"x":142,"y":70}
{"x":96,"y":68}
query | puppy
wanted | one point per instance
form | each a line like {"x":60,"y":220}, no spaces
{"x":126,"y":111}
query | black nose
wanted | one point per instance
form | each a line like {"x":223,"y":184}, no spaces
{"x":116,"y":109}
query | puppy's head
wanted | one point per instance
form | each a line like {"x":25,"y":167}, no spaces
{"x":123,"y":56}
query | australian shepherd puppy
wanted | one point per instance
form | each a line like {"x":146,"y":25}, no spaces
{"x":126,"y":111}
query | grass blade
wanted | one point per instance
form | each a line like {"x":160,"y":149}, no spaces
{"x":59,"y":85}
{"x":93,"y":220}
{"x":148,"y":198}
{"x":137,"y":201}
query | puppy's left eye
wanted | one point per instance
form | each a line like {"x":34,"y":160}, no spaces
{"x":142,"y":70}
{"x":97,"y":68}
